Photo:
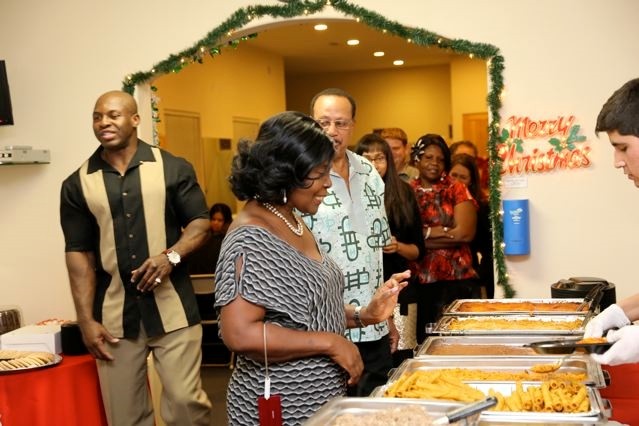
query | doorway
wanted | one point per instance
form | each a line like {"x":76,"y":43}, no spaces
{"x":183,"y":139}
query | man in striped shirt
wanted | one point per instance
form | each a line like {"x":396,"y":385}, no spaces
{"x":129,"y":214}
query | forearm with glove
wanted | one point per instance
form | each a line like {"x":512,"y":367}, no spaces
{"x":625,"y":349}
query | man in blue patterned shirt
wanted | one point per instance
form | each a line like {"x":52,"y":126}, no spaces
{"x":351,"y":226}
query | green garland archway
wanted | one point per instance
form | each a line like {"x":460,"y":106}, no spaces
{"x":212,"y":44}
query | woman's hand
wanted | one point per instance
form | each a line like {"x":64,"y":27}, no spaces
{"x":345,"y":354}
{"x":383,"y":303}
{"x":392,"y":247}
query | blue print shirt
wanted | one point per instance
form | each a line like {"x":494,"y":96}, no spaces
{"x":352,"y":228}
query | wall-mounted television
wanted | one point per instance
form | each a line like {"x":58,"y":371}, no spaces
{"x":6,"y":113}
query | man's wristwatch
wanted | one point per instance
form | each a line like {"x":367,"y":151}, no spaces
{"x":173,"y":256}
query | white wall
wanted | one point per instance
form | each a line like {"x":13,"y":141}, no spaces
{"x":560,"y":58}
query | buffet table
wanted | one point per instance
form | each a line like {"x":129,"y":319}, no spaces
{"x":67,"y":394}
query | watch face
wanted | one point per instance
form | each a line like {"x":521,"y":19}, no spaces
{"x":174,"y":257}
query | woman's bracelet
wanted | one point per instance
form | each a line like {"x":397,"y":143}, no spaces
{"x":358,"y":318}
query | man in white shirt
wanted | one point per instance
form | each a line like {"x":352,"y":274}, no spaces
{"x":351,"y":226}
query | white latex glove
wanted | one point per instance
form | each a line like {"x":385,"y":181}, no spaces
{"x":625,"y":349}
{"x":611,"y":317}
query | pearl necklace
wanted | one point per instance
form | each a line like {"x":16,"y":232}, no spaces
{"x":297,"y":231}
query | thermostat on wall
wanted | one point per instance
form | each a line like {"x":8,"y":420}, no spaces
{"x":24,"y":154}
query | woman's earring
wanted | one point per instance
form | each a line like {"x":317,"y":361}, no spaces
{"x":284,"y":199}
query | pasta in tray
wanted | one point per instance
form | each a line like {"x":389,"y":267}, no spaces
{"x":557,"y":396}
{"x":550,"y":396}
{"x":433,"y":385}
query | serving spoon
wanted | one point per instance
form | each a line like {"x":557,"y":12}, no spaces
{"x":549,"y":368}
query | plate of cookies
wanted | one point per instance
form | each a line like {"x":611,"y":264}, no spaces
{"x":12,"y":361}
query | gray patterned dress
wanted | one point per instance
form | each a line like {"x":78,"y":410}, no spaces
{"x":297,"y":293}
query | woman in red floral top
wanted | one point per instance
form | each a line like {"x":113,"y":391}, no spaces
{"x":449,"y":216}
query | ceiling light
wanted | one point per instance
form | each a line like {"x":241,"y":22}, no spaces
{"x":320,"y":27}
{"x":378,"y":54}
{"x":352,"y":42}
{"x":398,"y":62}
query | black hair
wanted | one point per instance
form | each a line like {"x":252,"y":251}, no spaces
{"x":335,"y":92}
{"x":224,"y":209}
{"x":424,"y":142}
{"x":397,"y":193}
{"x":288,"y":147}
{"x":621,"y":111}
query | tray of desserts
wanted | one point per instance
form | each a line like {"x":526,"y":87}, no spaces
{"x":13,"y":361}
{"x":511,"y":325}
{"x":518,"y":307}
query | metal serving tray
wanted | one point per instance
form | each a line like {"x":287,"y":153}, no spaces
{"x":443,"y":325}
{"x":481,"y":346}
{"x":598,"y":414}
{"x":499,"y":307}
{"x":575,"y":364}
{"x":362,"y":406}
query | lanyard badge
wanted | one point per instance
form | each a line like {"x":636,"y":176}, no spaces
{"x":269,"y":407}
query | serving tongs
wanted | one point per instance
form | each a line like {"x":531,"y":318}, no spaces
{"x":593,"y":297}
{"x":466,"y":411}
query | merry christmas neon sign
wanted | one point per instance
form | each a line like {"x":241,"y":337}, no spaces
{"x":565,"y":150}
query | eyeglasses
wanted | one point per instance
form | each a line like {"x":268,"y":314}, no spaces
{"x":339,"y":124}
{"x":376,"y":158}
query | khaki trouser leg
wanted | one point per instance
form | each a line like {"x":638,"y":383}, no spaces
{"x":124,"y":385}
{"x":177,"y":357}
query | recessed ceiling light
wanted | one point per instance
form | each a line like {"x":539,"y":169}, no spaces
{"x":352,"y":42}
{"x":378,"y":54}
{"x":320,"y":27}
{"x":398,"y":62}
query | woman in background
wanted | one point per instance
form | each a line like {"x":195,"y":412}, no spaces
{"x":449,"y":216}
{"x":465,"y":170}
{"x":203,"y":260}
{"x":406,"y":243}
{"x":276,"y":291}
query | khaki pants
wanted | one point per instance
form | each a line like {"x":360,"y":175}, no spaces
{"x":177,"y":356}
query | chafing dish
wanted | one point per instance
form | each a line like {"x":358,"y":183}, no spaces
{"x":599,"y":411}
{"x":510,"y":325}
{"x":518,"y":307}
{"x":576,"y":364}
{"x":479,"y":346}
{"x":359,"y":406}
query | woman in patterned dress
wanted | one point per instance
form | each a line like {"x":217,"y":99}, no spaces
{"x":272,"y":278}
{"x":449,"y":217}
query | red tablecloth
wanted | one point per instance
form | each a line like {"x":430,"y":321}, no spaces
{"x":623,"y":392}
{"x":67,"y":394}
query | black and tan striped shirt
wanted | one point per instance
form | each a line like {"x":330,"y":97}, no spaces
{"x":124,"y":219}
